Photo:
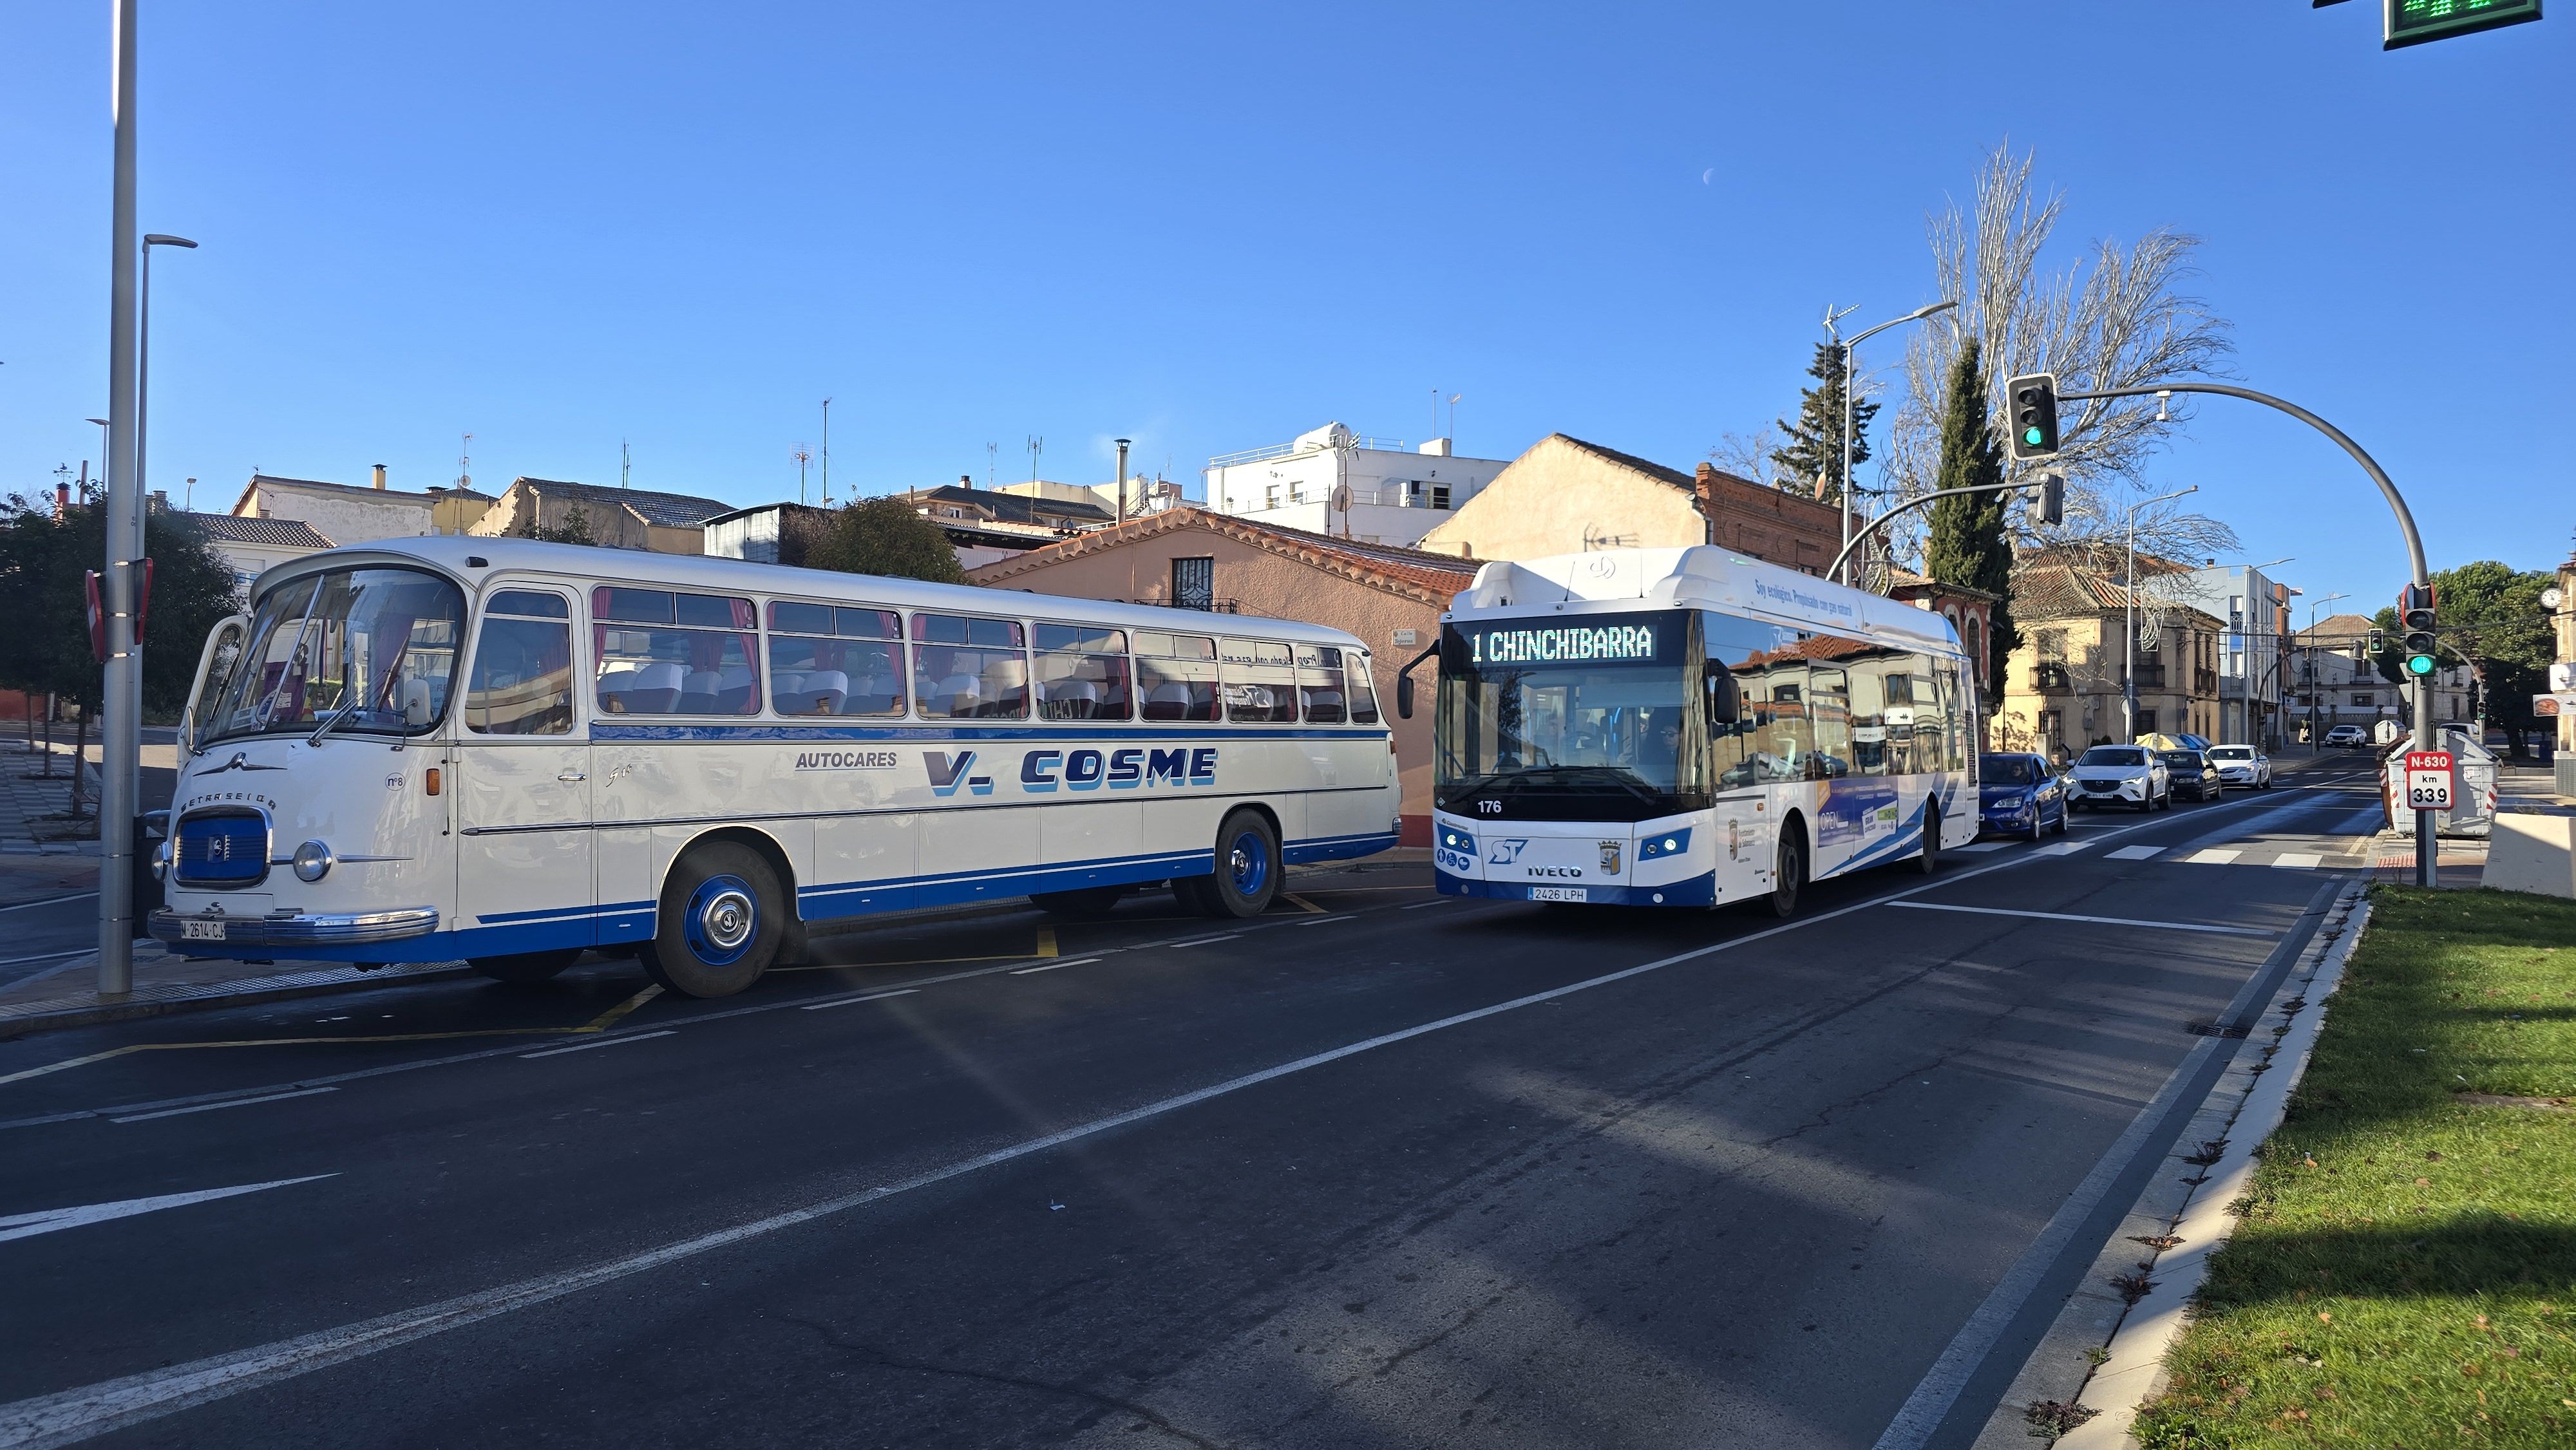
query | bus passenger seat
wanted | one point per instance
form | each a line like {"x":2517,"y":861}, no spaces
{"x":646,"y":689}
{"x":1168,"y":701}
{"x":819,"y":693}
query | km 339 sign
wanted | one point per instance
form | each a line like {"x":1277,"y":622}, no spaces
{"x":2428,"y":780}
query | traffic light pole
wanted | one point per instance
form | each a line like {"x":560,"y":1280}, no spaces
{"x":1835,"y":569}
{"x":2422,"y":577}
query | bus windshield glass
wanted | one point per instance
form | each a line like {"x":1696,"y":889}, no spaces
{"x":1573,"y":710}
{"x":365,"y":651}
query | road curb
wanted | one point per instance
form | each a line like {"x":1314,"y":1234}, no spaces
{"x":2240,"y":1113}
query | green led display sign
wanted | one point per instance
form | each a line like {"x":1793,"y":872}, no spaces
{"x":2413,"y":22}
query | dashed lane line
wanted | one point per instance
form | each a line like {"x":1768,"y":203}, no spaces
{"x":862,"y":997}
{"x":1200,"y":941}
{"x":227,"y":1103}
{"x":1055,"y":966}
{"x":52,"y":901}
{"x":55,"y":1220}
{"x":619,"y":1040}
{"x":2072,"y":916}
{"x":2136,"y":853}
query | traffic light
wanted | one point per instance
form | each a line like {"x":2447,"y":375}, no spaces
{"x":2048,"y":499}
{"x":2415,"y":617}
{"x":2032,"y":402}
{"x":2378,"y":645}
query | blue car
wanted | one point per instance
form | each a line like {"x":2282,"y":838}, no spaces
{"x":2019,"y":795}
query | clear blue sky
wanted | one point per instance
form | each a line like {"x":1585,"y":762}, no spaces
{"x":1209,"y":228}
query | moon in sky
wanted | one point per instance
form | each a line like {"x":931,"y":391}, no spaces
{"x":1705,"y":175}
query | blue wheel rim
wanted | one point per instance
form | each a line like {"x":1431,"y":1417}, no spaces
{"x":1248,"y":863}
{"x":722,"y":920}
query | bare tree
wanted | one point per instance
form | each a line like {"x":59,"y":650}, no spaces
{"x":1748,"y":455}
{"x":2117,"y":319}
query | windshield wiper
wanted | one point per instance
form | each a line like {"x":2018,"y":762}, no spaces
{"x":333,"y":723}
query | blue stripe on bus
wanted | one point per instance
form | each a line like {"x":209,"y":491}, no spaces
{"x":1070,"y":730}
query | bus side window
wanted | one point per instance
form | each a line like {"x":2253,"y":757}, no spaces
{"x":1176,"y":676}
{"x":1363,"y":690}
{"x":1869,"y":723}
{"x":1323,"y":685}
{"x":1829,"y":708}
{"x":662,"y":653}
{"x":828,"y":660}
{"x":1260,"y":681}
{"x":970,"y":668}
{"x":1954,"y":715}
{"x":522,"y":680}
{"x":1081,"y":672}
{"x":1900,"y":724}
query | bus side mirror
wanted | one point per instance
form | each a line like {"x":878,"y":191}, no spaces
{"x":1725,"y":699}
{"x":1404,"y":696}
{"x":415,"y":698}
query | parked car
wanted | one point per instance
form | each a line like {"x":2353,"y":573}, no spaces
{"x":2242,"y":765}
{"x":2121,"y":775}
{"x":2020,"y":795}
{"x":2191,"y":773}
{"x":2348,"y":737}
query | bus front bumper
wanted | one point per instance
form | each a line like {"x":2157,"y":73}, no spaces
{"x":1690,"y":891}
{"x":213,"y":931}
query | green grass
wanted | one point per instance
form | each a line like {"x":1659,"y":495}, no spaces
{"x":2405,"y":1271}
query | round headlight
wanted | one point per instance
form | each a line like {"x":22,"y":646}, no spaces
{"x":161,"y":861}
{"x":312,"y":861}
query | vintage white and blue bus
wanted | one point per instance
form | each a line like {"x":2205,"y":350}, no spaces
{"x":508,"y":752}
{"x":1689,"y":727}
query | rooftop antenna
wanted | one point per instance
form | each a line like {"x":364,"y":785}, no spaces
{"x":803,"y":455}
{"x":1037,"y":445}
{"x":827,"y":453}
{"x":992,"y":453}
{"x":464,"y":461}
{"x":1452,"y":434}
{"x":625,"y":464}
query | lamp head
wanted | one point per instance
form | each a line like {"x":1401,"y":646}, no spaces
{"x":164,"y":239}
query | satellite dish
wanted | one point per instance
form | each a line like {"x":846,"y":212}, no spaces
{"x":1342,"y":498}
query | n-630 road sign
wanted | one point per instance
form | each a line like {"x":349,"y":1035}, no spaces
{"x":2428,"y":780}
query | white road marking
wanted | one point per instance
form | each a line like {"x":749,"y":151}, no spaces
{"x":1323,"y":920}
{"x":2064,"y":848}
{"x":865,"y":997}
{"x":53,"y":1220}
{"x":2214,"y":856}
{"x":601,"y":1042}
{"x":49,"y":901}
{"x":1982,"y":846}
{"x":1051,"y":966}
{"x":2137,"y":853}
{"x":2071,"y":916}
{"x":44,"y":956}
{"x":227,"y":1103}
{"x":1200,"y":941}
{"x":1417,"y":906}
{"x":2299,"y":860}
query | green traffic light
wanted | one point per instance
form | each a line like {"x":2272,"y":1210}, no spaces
{"x":2420,"y":664}
{"x":2033,"y":437}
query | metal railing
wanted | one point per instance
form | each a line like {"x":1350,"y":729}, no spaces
{"x":1292,"y":450}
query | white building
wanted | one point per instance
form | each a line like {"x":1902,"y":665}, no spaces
{"x":1333,"y":481}
{"x":347,"y":514}
{"x":253,"y":546}
{"x":2253,"y":652}
{"x":1144,"y":495}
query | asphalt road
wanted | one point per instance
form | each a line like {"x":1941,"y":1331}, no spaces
{"x":1378,"y":1169}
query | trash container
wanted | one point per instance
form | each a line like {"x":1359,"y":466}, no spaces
{"x":2473,"y":789}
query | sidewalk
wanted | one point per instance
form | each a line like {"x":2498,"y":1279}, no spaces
{"x":26,"y":803}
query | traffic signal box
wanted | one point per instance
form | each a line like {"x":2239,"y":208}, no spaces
{"x":2031,"y":402}
{"x":2048,"y":499}
{"x":2415,"y":619}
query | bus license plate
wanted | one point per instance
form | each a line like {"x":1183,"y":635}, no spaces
{"x":1560,"y":893}
{"x":202,"y":931}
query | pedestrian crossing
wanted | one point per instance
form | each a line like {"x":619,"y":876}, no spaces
{"x":2266,"y":854}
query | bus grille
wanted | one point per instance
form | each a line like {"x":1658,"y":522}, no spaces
{"x":222,"y":849}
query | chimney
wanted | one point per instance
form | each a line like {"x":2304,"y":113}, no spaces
{"x":160,"y":500}
{"x":62,"y":499}
{"x":380,"y":475}
{"x":966,"y":481}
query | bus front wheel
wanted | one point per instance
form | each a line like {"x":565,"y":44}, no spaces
{"x":1247,"y":868}
{"x":1930,"y":860}
{"x":722,"y":919}
{"x":1789,"y":871}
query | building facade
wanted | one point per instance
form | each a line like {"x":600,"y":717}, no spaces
{"x":2063,"y":688}
{"x":1336,"y":482}
{"x":348,"y":514}
{"x":1391,"y":598}
{"x":1567,"y":496}
{"x":2254,"y":654}
{"x":616,"y":518}
{"x":2333,"y":681}
{"x":986,"y":525}
{"x":253,"y":546}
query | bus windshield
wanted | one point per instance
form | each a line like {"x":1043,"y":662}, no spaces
{"x":1588,"y":717}
{"x":365,"y":651}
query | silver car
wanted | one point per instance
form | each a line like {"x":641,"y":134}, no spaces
{"x":2242,"y":767}
{"x":2121,"y":775}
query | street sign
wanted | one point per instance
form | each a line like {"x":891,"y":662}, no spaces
{"x":2428,"y":780}
{"x":2413,"y":22}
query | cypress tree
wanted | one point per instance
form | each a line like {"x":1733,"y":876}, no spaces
{"x":1968,"y":542}
{"x":1816,"y":439}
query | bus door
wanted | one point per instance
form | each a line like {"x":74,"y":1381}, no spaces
{"x":521,"y":769}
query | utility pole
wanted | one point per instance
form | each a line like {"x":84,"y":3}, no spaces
{"x":625,"y":464}
{"x":827,"y":453}
{"x":121,"y":688}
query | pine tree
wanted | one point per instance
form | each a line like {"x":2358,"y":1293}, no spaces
{"x":1816,"y":439}
{"x":1968,"y":542}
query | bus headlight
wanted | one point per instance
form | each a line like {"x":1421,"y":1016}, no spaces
{"x":1664,"y":843}
{"x":1457,"y":840}
{"x":161,"y":861}
{"x":312,"y":861}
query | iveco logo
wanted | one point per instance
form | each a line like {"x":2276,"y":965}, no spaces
{"x":1553,"y":870}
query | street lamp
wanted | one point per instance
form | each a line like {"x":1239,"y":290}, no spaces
{"x":1917,"y":315}
{"x":2129,"y":604}
{"x":143,"y":371}
{"x":103,"y":437}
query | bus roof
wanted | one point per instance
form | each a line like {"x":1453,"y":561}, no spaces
{"x":469,"y":559}
{"x":1703,"y":576}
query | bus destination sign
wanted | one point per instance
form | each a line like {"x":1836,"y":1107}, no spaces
{"x":1564,"y":644}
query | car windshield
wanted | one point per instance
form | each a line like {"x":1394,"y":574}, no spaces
{"x":2184,"y":758}
{"x":2232,"y":752}
{"x":367,"y":651}
{"x":2114,"y":755}
{"x":2008,"y":770}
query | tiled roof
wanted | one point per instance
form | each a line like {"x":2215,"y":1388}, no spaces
{"x":668,"y":510}
{"x":2338,"y":626}
{"x":2055,"y":591}
{"x":285,"y":533}
{"x":1437,"y":575}
{"x":435,"y":492}
{"x":1013,"y":508}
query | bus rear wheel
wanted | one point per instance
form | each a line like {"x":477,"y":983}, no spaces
{"x":1247,"y":868}
{"x":1930,"y":860}
{"x":721,"y":921}
{"x":526,"y":969}
{"x":1789,"y":871}
{"x":1087,"y":902}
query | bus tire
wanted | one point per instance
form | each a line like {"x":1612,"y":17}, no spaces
{"x":1190,"y":894}
{"x":1247,"y":867}
{"x":1789,"y":870}
{"x":721,"y":921}
{"x":1081,"y":904}
{"x":526,"y":969}
{"x":1929,"y":859}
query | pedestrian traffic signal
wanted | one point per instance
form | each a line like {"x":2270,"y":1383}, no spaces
{"x":2031,"y":404}
{"x":2377,"y":646}
{"x":2048,"y":499}
{"x":2415,"y":616}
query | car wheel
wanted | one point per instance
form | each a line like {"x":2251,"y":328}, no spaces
{"x":722,"y":919}
{"x":2064,"y":812}
{"x":1080,"y":905}
{"x":526,"y":969}
{"x":1929,"y":859}
{"x":1789,"y":871}
{"x":1247,"y":867}
{"x":2038,"y":821}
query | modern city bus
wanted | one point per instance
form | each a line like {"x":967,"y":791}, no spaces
{"x":1689,"y":727}
{"x":509,"y":752}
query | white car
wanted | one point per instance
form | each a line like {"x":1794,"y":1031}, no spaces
{"x":2347,"y":736}
{"x":2242,"y":766}
{"x":2121,"y":775}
